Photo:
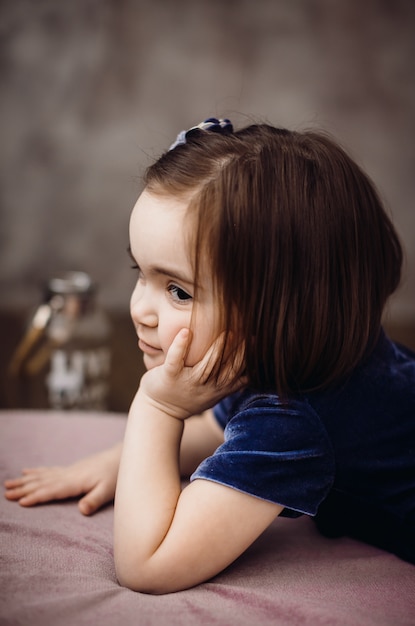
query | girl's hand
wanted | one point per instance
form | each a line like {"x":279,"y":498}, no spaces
{"x":94,"y":476}
{"x":182,"y":391}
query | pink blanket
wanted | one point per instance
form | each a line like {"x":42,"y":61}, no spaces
{"x":57,"y":566}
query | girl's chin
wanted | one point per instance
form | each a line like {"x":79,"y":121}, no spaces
{"x":155,"y":360}
{"x":152,"y":361}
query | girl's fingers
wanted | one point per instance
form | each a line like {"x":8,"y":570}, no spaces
{"x":14,"y":493}
{"x":95,"y":499}
{"x":11,"y":483}
{"x":28,"y":476}
{"x":36,"y":486}
{"x":17,"y":483}
{"x":17,"y":489}
{"x":24,"y":496}
{"x":34,"y":498}
{"x":176,"y":354}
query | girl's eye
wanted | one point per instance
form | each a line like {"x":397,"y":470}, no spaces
{"x":178,"y":294}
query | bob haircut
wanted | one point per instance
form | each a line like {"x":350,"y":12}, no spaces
{"x":302,"y":253}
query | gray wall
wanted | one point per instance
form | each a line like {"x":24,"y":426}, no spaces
{"x":92,"y":90}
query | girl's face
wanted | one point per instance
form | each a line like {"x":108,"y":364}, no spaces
{"x":164,"y":297}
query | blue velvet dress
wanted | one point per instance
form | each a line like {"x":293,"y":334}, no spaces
{"x":345,"y":456}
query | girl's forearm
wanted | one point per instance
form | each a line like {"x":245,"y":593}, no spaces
{"x":148,"y":486}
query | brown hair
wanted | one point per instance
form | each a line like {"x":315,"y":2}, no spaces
{"x":302,"y":252}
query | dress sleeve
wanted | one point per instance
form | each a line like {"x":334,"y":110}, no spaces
{"x":274,"y":451}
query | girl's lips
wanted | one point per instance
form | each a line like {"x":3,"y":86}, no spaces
{"x":146,"y":348}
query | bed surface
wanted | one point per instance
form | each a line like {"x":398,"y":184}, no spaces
{"x":56,"y":566}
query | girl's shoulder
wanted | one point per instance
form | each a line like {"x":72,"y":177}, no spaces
{"x":277,"y":451}
{"x":387,"y":375}
{"x":258,"y":407}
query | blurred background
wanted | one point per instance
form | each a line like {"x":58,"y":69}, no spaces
{"x":93,"y":90}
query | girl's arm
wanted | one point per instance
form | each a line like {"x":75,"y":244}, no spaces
{"x":167,"y":539}
{"x":95,"y":477}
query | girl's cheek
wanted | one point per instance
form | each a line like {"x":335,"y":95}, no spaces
{"x":198,"y":349}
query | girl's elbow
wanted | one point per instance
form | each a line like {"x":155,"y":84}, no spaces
{"x":157,"y":573}
{"x":144,"y":579}
{"x":148,"y":586}
{"x":136,"y":580}
{"x":133,"y":575}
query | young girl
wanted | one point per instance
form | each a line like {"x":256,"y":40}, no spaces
{"x":264,"y":260}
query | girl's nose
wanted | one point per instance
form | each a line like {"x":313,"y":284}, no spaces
{"x":143,"y":309}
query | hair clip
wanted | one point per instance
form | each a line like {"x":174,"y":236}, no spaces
{"x":212,"y":124}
